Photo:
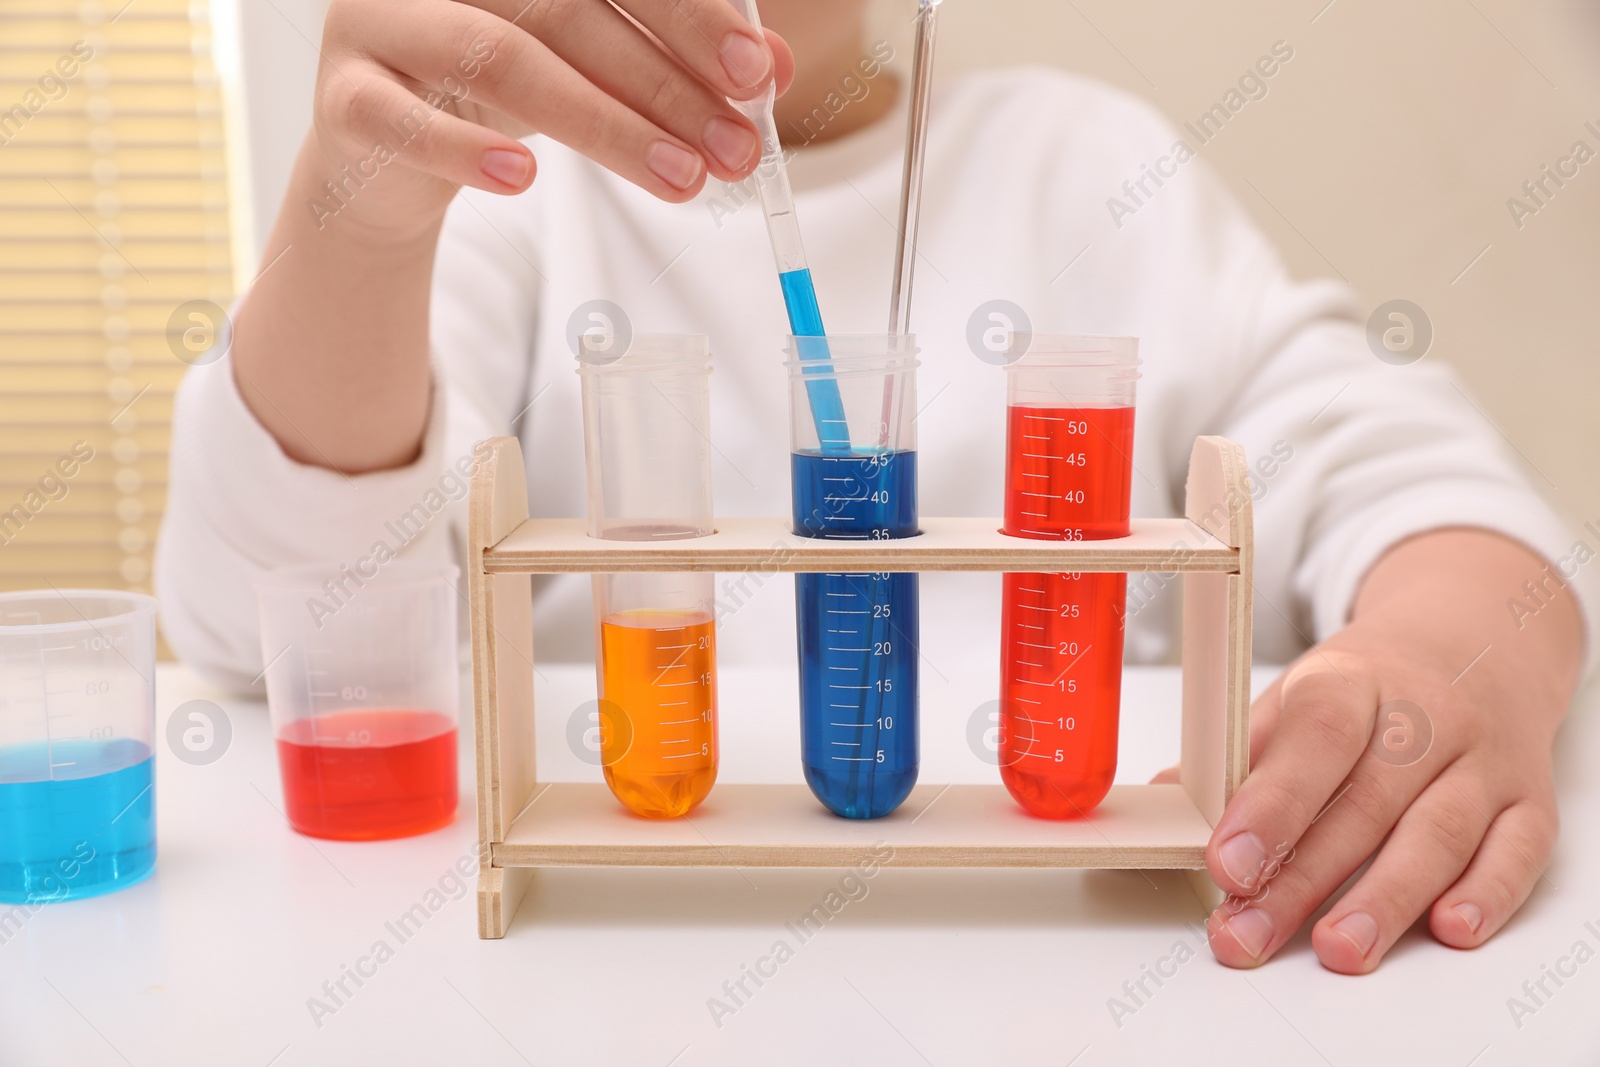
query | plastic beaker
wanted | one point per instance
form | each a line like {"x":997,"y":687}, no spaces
{"x":1069,"y":471}
{"x":363,"y":685}
{"x":77,"y":718}
{"x":857,"y":632}
{"x":647,"y":424}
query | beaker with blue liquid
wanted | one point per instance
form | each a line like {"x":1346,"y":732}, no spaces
{"x":853,"y":463}
{"x":77,"y":718}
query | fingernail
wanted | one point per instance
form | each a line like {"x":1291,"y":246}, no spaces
{"x":731,"y":143}
{"x":673,"y":165}
{"x":1252,"y":928}
{"x":1243,"y":859}
{"x":745,"y":60}
{"x":1471,"y":914}
{"x":505,"y":166}
{"x":1360,"y":929}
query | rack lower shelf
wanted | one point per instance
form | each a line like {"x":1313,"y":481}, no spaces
{"x":581,"y":825}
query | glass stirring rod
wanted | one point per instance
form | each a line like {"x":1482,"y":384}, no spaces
{"x":794,"y":274}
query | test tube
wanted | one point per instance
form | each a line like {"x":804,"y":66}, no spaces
{"x":646,"y":416}
{"x":1069,"y":469}
{"x":857,"y":630}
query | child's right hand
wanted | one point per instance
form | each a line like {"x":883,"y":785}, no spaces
{"x":648,"y":105}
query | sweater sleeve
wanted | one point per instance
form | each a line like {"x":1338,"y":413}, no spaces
{"x":238,"y":506}
{"x":1350,"y":454}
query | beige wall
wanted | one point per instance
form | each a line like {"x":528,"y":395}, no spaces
{"x":1388,"y":147}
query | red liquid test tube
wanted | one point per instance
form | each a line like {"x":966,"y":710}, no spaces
{"x":1069,"y":472}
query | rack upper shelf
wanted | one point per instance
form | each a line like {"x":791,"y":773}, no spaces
{"x":562,"y":546}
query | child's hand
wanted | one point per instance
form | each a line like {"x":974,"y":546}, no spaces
{"x":1465,"y":799}
{"x":416,"y":98}
{"x":648,"y":105}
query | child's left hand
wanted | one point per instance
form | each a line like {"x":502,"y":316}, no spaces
{"x":1453,"y":800}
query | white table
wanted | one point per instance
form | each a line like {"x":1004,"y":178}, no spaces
{"x":213,"y":960}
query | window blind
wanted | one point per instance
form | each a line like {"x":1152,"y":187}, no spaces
{"x":113,"y":217}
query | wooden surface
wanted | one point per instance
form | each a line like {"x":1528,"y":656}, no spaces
{"x":502,"y":672}
{"x":582,"y":825}
{"x":1216,"y":632}
{"x":554,"y":546}
{"x":1207,"y":892}
{"x":500,"y":891}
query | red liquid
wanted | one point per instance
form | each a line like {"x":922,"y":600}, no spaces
{"x":369,"y":775}
{"x":1069,"y":474}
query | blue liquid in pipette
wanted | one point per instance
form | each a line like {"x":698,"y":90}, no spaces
{"x":858,"y":635}
{"x":800,"y":299}
{"x":88,"y":831}
{"x":805,"y":322}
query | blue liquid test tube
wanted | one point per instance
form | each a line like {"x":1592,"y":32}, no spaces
{"x":858,"y":631}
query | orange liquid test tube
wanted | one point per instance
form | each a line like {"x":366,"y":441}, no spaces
{"x":646,"y":413}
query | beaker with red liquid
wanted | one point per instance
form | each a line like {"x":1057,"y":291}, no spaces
{"x":1069,"y":471}
{"x":363,"y":686}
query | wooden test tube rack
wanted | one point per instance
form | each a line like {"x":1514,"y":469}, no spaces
{"x":524,"y":825}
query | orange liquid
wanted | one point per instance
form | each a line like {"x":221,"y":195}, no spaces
{"x":658,"y":709}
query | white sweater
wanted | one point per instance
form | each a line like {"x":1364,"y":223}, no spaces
{"x":1021,"y":165}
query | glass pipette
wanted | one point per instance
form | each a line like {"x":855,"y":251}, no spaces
{"x":911,"y":175}
{"x":905,"y":253}
{"x":794,"y":274}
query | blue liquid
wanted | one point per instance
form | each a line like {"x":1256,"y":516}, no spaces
{"x":88,"y":831}
{"x":805,"y":322}
{"x":858,"y":635}
{"x":800,"y":299}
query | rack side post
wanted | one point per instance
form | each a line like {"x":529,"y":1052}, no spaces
{"x":1217,"y":639}
{"x":502,"y":677}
